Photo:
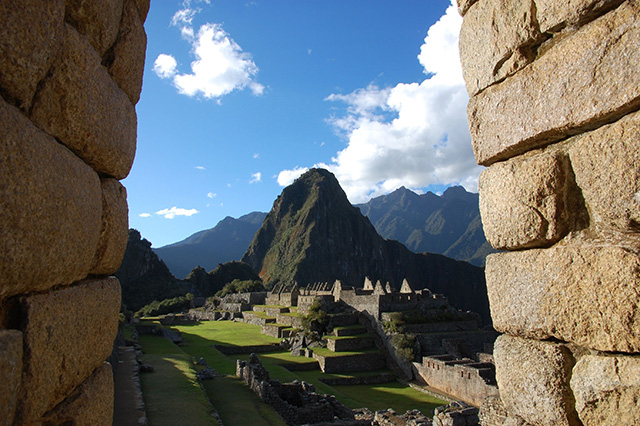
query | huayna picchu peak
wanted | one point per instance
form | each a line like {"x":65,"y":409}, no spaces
{"x":314,"y":234}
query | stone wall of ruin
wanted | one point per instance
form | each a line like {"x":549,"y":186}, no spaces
{"x":553,"y":113}
{"x":70,"y":75}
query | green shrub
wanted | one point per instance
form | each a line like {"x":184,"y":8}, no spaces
{"x":405,"y":346}
{"x":316,"y":321}
{"x":238,"y":286}
{"x":167,"y":306}
{"x":395,"y":323}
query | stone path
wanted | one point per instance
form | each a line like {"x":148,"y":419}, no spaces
{"x":128,"y":407}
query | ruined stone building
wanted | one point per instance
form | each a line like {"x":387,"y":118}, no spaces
{"x":70,"y":75}
{"x":553,"y":114}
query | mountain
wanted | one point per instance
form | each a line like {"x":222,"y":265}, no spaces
{"x":225,"y":242}
{"x":143,"y":276}
{"x":448,"y":224}
{"x":314,"y":234}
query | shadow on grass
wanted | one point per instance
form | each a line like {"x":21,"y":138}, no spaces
{"x":172,"y":389}
{"x":199,"y":338}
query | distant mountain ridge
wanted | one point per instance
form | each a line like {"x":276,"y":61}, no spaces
{"x":226,"y":241}
{"x":313,"y":234}
{"x":449,"y":224}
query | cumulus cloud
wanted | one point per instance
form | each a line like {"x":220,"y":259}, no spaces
{"x":165,"y":66}
{"x":286,"y":177}
{"x":211,"y":195}
{"x":175,"y":211}
{"x":220,"y":65}
{"x":200,"y":167}
{"x":256,"y":177}
{"x":145,"y":215}
{"x":414,"y":134}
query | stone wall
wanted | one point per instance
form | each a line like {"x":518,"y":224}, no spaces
{"x":553,"y":114}
{"x":466,"y":380}
{"x":70,"y":75}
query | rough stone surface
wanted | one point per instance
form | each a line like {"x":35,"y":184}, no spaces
{"x":90,"y":404}
{"x":582,"y":294}
{"x":125,"y":61}
{"x":568,"y":90}
{"x":553,"y":15}
{"x":50,"y":209}
{"x":96,"y":20}
{"x":533,"y":378}
{"x":607,"y":390}
{"x":523,"y":201}
{"x":143,"y":8}
{"x":86,"y":110}
{"x":606,"y":163}
{"x":497,"y":39}
{"x":115,"y":228}
{"x":464,"y":5}
{"x":10,"y":373}
{"x":67,"y":333}
{"x":30,"y":37}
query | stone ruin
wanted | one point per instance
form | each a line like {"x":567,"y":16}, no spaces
{"x":297,"y":402}
{"x":553,"y":114}
{"x":70,"y":76}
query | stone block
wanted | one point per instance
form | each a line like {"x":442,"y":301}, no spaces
{"x":67,"y":334}
{"x":86,"y":110}
{"x":582,"y":294}
{"x":533,"y":378}
{"x":464,"y":5}
{"x":523,"y":201}
{"x":98,"y":21}
{"x":125,"y":61}
{"x":566,"y":91}
{"x":10,"y":373}
{"x":30,"y":37}
{"x":607,"y":390}
{"x":90,"y":404}
{"x":115,"y":228}
{"x":497,"y":39}
{"x":606,"y":163}
{"x":554,"y":15}
{"x":50,"y":209}
{"x":143,"y":8}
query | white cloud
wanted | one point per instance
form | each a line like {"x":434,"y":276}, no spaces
{"x":200,"y":167}
{"x":220,"y":65}
{"x":145,"y":215}
{"x":256,"y":177}
{"x":286,"y":177}
{"x":211,"y":195}
{"x":413,"y":134}
{"x":256,"y":156}
{"x":165,"y":66}
{"x":175,"y":211}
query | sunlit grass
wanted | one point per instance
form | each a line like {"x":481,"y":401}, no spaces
{"x":236,"y":404}
{"x":172,"y":389}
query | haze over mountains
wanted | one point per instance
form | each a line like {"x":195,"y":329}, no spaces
{"x":225,"y":242}
{"x":448,"y":224}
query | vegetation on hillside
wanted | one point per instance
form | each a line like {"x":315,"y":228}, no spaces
{"x":240,"y":286}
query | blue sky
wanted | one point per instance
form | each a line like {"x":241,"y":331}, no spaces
{"x":240,"y":97}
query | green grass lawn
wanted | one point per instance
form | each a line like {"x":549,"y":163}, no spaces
{"x":198,"y":339}
{"x":172,"y":389}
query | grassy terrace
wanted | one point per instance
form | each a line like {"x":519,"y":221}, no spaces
{"x":230,"y":397}
{"x":329,"y":354}
{"x":355,"y":336}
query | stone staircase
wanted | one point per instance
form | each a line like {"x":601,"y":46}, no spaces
{"x":349,"y":349}
{"x":275,"y":321}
